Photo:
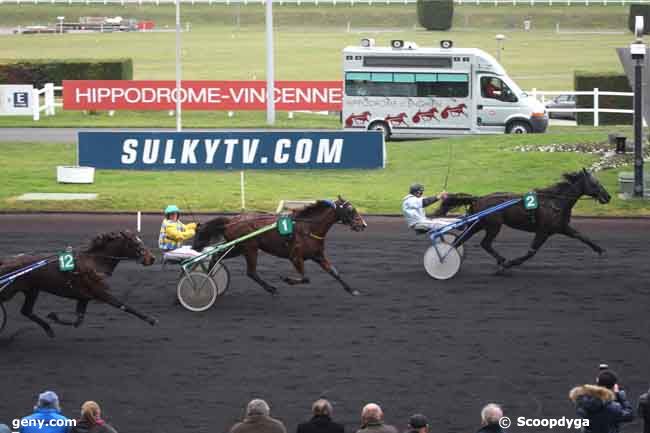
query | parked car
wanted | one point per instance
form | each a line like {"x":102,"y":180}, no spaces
{"x":562,"y":101}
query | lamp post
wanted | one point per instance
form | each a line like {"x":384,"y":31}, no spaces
{"x":60,"y":24}
{"x":500,"y":38}
{"x":637,"y":52}
{"x":178,"y":66}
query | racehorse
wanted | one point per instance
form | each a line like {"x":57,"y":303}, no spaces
{"x":553,"y":215}
{"x":307,"y":242}
{"x":85,"y":283}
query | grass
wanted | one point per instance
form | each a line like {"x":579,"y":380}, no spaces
{"x":479,"y":165}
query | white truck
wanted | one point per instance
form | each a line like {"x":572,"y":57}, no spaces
{"x":404,"y":90}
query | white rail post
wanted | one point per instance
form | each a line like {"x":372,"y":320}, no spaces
{"x":37,"y":104}
{"x":534,"y":92}
{"x":49,"y":99}
{"x":596,"y":107}
{"x":243,"y":190}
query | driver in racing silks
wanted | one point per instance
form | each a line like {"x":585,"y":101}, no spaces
{"x":173,"y":233}
{"x":413,"y":209}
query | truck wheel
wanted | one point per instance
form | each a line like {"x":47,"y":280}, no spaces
{"x":518,"y":127}
{"x":381,"y":127}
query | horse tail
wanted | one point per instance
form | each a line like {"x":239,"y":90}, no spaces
{"x":454,"y":201}
{"x":211,"y":230}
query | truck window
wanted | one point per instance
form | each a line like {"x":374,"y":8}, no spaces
{"x":442,"y":85}
{"x":380,"y":84}
{"x":495,"y":88}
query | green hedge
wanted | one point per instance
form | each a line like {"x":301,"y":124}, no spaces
{"x":642,"y":10}
{"x":605,"y":82}
{"x":39,"y":72}
{"x":435,"y":14}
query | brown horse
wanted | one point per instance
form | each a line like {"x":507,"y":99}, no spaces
{"x":307,"y":242}
{"x":553,"y":215}
{"x":85,"y":283}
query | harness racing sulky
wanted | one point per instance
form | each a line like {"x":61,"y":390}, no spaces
{"x":298,"y":235}
{"x":544,"y":212}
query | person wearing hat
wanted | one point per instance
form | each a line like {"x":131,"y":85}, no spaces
{"x":418,"y":423}
{"x":413,"y":209}
{"x":604,"y":404}
{"x":172,"y":235}
{"x":47,"y":417}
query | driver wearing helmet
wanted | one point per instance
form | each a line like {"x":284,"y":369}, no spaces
{"x":172,"y":234}
{"x":413,"y":209}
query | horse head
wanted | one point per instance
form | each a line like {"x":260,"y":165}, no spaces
{"x":123,"y":245}
{"x":590,"y":185}
{"x":348,"y":215}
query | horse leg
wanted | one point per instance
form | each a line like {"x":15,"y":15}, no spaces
{"x":100,"y":293}
{"x":251,"y":271}
{"x":298,"y":263}
{"x":28,"y":311}
{"x":491,"y":232}
{"x":538,"y":241}
{"x":330,"y":269}
{"x":82,"y":305}
{"x":575,"y":234}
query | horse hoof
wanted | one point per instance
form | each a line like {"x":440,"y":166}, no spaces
{"x":355,"y":293}
{"x":152,"y":321}
{"x":53,"y":317}
{"x":49,"y":333}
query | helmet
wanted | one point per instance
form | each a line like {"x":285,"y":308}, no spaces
{"x":415,"y":188}
{"x":172,"y":208}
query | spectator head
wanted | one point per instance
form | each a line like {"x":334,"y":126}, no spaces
{"x":491,"y":414}
{"x":607,"y":379}
{"x":48,"y":400}
{"x":91,"y":412}
{"x":419,"y":423}
{"x":371,"y":413}
{"x":258,"y":407}
{"x":4,"y":428}
{"x":321,"y":407}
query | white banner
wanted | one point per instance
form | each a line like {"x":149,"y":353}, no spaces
{"x":16,"y":100}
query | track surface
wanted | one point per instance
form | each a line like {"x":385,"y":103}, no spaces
{"x":410,"y":343}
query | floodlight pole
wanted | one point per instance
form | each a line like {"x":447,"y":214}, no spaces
{"x":178,"y":66}
{"x":270,"y":76}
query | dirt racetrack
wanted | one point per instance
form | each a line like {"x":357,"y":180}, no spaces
{"x":410,"y":343}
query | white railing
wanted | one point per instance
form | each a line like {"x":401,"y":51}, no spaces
{"x":550,"y":2}
{"x":596,"y":110}
{"x":49,"y":100}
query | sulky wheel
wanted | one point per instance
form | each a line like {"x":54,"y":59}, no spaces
{"x":221,"y":278}
{"x":442,"y":261}
{"x":450,"y":238}
{"x":197,"y":291}
{"x":3,"y":317}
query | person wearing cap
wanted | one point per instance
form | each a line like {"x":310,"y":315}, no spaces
{"x":173,"y":233}
{"x":47,"y":417}
{"x":372,"y":420}
{"x":418,"y":423}
{"x":413,"y":209}
{"x":604,"y":404}
{"x":321,"y":421}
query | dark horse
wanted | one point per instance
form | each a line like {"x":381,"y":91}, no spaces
{"x":306,"y":243}
{"x":85,"y":283}
{"x":552,"y":216}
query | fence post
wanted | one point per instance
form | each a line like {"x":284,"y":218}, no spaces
{"x":36,"y":105}
{"x":596,"y":107}
{"x":49,"y":99}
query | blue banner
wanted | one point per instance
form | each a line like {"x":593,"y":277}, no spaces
{"x":231,"y":150}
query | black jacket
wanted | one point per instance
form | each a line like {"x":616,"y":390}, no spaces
{"x":604,"y":409}
{"x":491,"y":428}
{"x":84,"y":427}
{"x":320,"y":424}
{"x":644,"y":411}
